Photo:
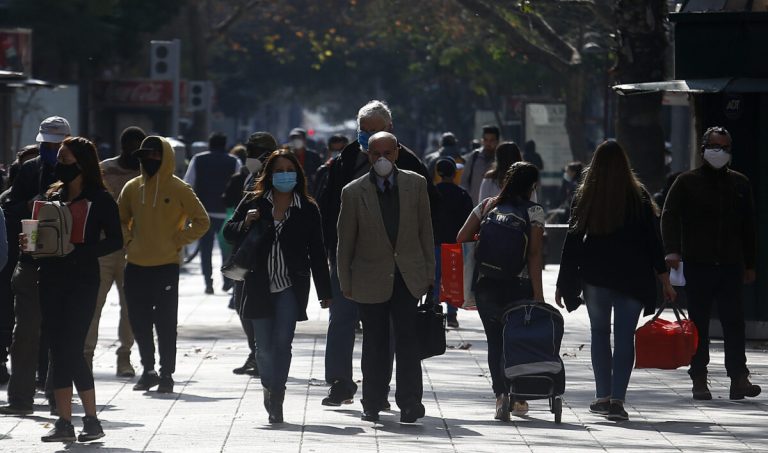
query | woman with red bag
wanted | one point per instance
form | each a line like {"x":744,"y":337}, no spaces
{"x":614,"y":253}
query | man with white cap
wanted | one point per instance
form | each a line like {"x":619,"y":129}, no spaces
{"x":34,"y":178}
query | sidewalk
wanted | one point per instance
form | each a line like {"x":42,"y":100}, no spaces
{"x":214,"y":410}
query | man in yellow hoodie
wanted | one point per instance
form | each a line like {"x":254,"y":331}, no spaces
{"x":160,"y":214}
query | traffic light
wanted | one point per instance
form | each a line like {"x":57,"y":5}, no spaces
{"x":198,"y":95}
{"x":164,"y":60}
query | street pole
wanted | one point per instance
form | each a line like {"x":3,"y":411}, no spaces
{"x":175,"y":109}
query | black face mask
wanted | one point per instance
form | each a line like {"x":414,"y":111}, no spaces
{"x":151,"y":166}
{"x":66,"y":172}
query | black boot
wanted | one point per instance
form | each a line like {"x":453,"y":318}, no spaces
{"x":276,"y":406}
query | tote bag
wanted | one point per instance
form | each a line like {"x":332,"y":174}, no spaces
{"x":665,"y":344}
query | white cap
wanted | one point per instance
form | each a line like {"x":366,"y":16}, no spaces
{"x":53,"y":129}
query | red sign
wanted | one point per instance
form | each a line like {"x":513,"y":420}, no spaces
{"x":135,"y":93}
{"x":16,"y":50}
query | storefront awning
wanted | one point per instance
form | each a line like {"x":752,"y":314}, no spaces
{"x":729,"y":85}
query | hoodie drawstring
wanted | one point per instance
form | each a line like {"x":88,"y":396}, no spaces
{"x":157,"y":186}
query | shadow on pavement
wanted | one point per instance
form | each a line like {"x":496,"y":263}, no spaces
{"x":317,"y":429}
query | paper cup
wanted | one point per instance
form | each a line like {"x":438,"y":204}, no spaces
{"x":29,"y":228}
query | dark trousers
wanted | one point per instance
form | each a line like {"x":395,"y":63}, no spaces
{"x":238,"y":295}
{"x":68,"y":294}
{"x":6,"y":306}
{"x":375,"y":363}
{"x":340,"y":339}
{"x":206,"y":248}
{"x":721,"y":285}
{"x":152,"y":293}
{"x":26,"y":335}
{"x":490,"y":306}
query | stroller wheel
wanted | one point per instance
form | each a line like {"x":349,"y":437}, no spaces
{"x":557,"y":409}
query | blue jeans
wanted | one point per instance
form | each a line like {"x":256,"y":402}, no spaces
{"x":206,"y":248}
{"x":612,"y":370}
{"x":274,"y":336}
{"x":340,"y":340}
{"x":450,"y":309}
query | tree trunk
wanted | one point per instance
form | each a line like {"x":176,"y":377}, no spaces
{"x":574,"y":113}
{"x":641,"y":59}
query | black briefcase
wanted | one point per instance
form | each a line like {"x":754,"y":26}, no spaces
{"x":430,"y":328}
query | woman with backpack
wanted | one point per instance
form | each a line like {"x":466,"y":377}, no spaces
{"x":69,"y":284}
{"x":519,"y":279}
{"x":507,"y":153}
{"x":276,"y":289}
{"x":613,"y":251}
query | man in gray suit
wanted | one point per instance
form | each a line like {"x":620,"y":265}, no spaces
{"x":386,"y":262}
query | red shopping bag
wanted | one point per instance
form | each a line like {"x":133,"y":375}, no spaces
{"x":451,"y":275}
{"x":665,"y":344}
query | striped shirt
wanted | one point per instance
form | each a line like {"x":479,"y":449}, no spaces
{"x":276,"y":268}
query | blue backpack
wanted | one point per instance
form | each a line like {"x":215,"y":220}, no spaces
{"x":503,"y":242}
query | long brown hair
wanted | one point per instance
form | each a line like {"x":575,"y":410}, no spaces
{"x":87,"y":159}
{"x":264,"y":182}
{"x":518,"y":181}
{"x":507,"y":153}
{"x":609,"y":194}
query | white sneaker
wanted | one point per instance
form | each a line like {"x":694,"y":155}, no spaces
{"x":520,"y":408}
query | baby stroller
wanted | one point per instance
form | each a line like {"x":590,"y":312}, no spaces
{"x":532,"y":336}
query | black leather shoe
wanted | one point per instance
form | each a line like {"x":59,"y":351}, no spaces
{"x":340,"y":393}
{"x":369,"y":416}
{"x":411,"y":414}
{"x":147,"y":380}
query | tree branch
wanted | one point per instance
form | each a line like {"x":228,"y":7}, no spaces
{"x":221,"y":28}
{"x":602,"y":10}
{"x":515,"y":38}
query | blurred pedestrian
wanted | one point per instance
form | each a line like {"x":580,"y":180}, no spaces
{"x":309,"y":159}
{"x":34,"y":178}
{"x":335,"y":145}
{"x":117,"y":171}
{"x":448,"y":148}
{"x":454,"y":208}
{"x":479,"y":161}
{"x":277,"y":286}
{"x":530,"y":155}
{"x":259,"y":146}
{"x":397,"y":246}
{"x":69,"y":285}
{"x":612,"y":250}
{"x":155,"y":211}
{"x":208,"y":174}
{"x":709,"y":224}
{"x":507,"y":153}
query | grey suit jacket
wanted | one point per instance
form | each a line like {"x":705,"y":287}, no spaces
{"x":366,"y":259}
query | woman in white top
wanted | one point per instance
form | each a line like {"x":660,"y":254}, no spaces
{"x":507,"y":153}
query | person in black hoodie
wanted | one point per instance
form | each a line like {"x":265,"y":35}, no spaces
{"x":352,"y":163}
{"x":32,"y":181}
{"x":69,"y":285}
{"x":614,"y":251}
{"x":709,"y":223}
{"x":277,"y":286}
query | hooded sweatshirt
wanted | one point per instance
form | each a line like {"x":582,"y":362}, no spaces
{"x":155,"y":212}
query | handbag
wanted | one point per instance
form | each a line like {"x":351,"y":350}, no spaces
{"x":664,"y":344}
{"x":430,"y":328}
{"x":239,"y":263}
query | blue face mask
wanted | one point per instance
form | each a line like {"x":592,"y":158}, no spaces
{"x":362,"y":138}
{"x":284,"y":182}
{"x":48,"y":152}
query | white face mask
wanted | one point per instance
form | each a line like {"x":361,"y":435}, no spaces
{"x":383,"y":167}
{"x":716,"y":157}
{"x":253,"y":165}
{"x":667,"y":160}
{"x":297,"y":143}
{"x":534,"y":197}
{"x":567,"y":176}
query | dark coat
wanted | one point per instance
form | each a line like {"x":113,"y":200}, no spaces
{"x":302,"y":245}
